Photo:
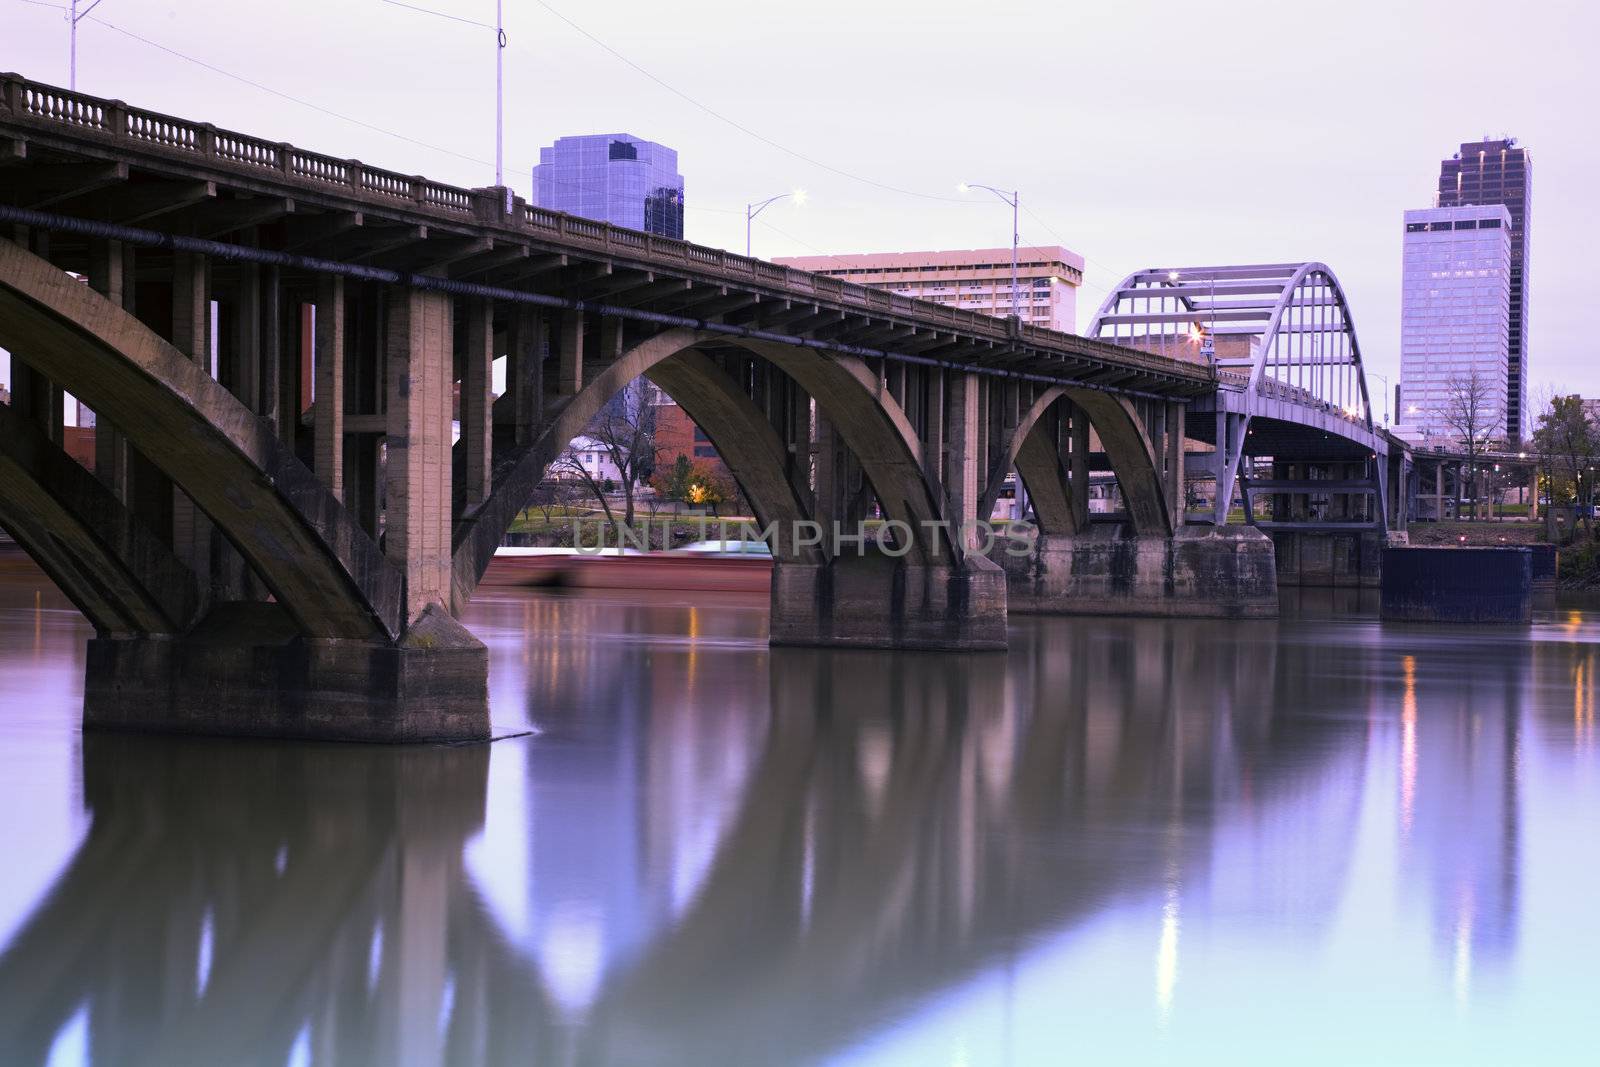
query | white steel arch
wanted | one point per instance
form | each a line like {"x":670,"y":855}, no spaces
{"x":1276,"y":329}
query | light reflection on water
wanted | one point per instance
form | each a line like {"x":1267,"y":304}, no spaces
{"x":1320,"y":840}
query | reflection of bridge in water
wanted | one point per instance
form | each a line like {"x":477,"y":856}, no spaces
{"x":895,"y":828}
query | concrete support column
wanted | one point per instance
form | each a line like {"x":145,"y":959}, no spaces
{"x":825,"y":470}
{"x":934,"y":438}
{"x":419,"y":358}
{"x":1176,"y":498}
{"x":962,"y":477}
{"x":797,"y":439}
{"x":570,"y":381}
{"x":610,"y":339}
{"x":1078,"y":462}
{"x":477,"y":432}
{"x":34,"y":396}
{"x":268,"y":387}
{"x":525,"y":371}
{"x":243,"y":365}
{"x":191,"y":335}
{"x":109,"y":276}
{"x":328,"y":432}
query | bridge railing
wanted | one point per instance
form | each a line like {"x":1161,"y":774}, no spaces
{"x":35,"y":103}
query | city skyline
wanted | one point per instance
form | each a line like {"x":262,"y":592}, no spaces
{"x":1232,"y":188}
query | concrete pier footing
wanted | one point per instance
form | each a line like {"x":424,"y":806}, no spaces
{"x":248,"y":674}
{"x":1470,"y":585}
{"x":1202,"y":571}
{"x":1340,"y":560}
{"x":875,"y":601}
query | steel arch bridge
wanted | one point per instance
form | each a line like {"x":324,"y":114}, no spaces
{"x":1290,"y":384}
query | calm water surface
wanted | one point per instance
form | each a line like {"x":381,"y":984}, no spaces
{"x":1314,"y":841}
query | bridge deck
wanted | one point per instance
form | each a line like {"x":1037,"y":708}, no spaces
{"x":100,"y":159}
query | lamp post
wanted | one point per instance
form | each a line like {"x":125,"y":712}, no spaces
{"x":1014,"y":200}
{"x":1385,"y":379}
{"x":499,"y":29}
{"x":74,"y":16}
{"x":752,"y":210}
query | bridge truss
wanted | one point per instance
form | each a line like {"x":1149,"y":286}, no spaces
{"x":1291,"y":384}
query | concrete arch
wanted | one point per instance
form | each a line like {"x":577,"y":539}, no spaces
{"x":1038,"y":464}
{"x":318,"y":563}
{"x":746,"y":442}
{"x":122,"y":577}
{"x":1127,"y":447}
{"x":873,"y":426}
{"x":480,"y":531}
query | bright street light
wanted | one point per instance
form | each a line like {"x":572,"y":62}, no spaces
{"x":1014,"y":199}
{"x":798,"y":196}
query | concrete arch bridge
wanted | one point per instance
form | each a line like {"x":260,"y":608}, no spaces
{"x":278,"y":347}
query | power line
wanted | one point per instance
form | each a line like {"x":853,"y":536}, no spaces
{"x":283,"y":95}
{"x":321,"y":109}
{"x":719,"y":116}
{"x":441,"y":14}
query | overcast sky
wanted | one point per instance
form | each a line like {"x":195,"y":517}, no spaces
{"x":1139,"y":133}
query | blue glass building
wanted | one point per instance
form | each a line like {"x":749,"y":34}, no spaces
{"x":613,"y":177}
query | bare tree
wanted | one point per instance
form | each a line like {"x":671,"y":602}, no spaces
{"x":625,"y":432}
{"x":1472,"y":412}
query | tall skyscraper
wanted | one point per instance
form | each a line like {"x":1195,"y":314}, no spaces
{"x":1498,"y":172}
{"x":613,"y":177}
{"x":1454,"y":316}
{"x":978,"y":279}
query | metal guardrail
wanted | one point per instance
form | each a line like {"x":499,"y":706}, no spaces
{"x":30,"y":103}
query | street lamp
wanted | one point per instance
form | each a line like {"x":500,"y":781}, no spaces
{"x":1385,"y":380}
{"x":1014,"y":200}
{"x":752,"y":210}
{"x":499,"y":75}
{"x":74,"y":16}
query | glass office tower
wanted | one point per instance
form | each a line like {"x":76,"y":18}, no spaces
{"x":1454,"y":317}
{"x":1498,"y":172}
{"x":613,"y":177}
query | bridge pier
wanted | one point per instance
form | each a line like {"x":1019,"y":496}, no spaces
{"x":1330,"y":558}
{"x":1199,"y":572}
{"x":245,"y":672}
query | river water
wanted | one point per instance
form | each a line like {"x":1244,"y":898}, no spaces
{"x":1321,"y":840}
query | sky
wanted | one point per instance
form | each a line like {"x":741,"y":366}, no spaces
{"x":1139,"y":133}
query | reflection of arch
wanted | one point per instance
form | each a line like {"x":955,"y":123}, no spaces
{"x":314,"y":558}
{"x":1037,"y":459}
{"x":872,"y":425}
{"x":123,"y":579}
{"x":242,"y":893}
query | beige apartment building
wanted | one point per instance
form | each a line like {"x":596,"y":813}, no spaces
{"x":977,"y":279}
